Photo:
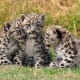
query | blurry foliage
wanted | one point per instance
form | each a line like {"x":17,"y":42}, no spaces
{"x":61,"y":12}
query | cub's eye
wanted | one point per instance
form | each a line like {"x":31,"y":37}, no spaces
{"x":54,"y":32}
{"x":19,"y":32}
{"x":38,"y":24}
{"x":28,"y":26}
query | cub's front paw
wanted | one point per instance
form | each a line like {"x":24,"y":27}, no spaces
{"x":53,"y":65}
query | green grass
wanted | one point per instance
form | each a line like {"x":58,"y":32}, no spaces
{"x":26,"y":73}
{"x":61,"y":12}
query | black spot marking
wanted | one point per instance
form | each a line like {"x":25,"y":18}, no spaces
{"x":0,"y":41}
{"x":69,"y":53}
{"x":59,"y":34}
{"x":62,"y":65}
{"x":72,"y":48}
{"x":8,"y":40}
{"x":68,"y":61}
{"x":15,"y":60}
{"x":73,"y":43}
{"x":67,"y":66}
{"x":75,"y":65}
{"x":47,"y":34}
{"x":6,"y":27}
{"x":75,"y":52}
{"x":41,"y":63}
{"x":66,"y":51}
{"x":38,"y":51}
{"x":66,"y":46}
{"x":1,"y":54}
{"x":18,"y":63}
{"x":2,"y":58}
{"x":72,"y":57}
{"x":48,"y":45}
{"x":5,"y":44}
{"x":52,"y":39}
{"x":2,"y":62}
{"x":37,"y":59}
{"x":5,"y":61}
{"x":59,"y":59}
{"x":38,"y":65}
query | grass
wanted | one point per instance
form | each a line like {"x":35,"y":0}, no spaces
{"x":61,"y":12}
{"x":26,"y":73}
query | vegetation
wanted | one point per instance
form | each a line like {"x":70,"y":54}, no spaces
{"x":61,"y":12}
{"x":26,"y":73}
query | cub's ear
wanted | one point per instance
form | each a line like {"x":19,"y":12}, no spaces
{"x":59,"y":34}
{"x":23,"y":17}
{"x":41,"y":19}
{"x":6,"y":27}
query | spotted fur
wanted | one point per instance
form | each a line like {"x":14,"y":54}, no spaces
{"x":64,"y":45}
{"x":35,"y":51}
{"x":10,"y":40}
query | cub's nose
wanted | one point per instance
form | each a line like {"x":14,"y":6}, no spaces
{"x":33,"y":31}
{"x":25,"y":36}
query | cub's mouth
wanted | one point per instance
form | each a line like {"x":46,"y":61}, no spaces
{"x":32,"y":36}
{"x":32,"y":32}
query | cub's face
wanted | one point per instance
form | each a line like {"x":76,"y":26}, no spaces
{"x":15,"y":33}
{"x":18,"y":34}
{"x":32,"y":23}
{"x":53,"y":35}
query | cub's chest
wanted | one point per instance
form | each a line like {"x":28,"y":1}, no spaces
{"x":59,"y":51}
{"x":30,"y":47}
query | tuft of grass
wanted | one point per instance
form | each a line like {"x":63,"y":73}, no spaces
{"x":49,"y":19}
{"x":26,"y":73}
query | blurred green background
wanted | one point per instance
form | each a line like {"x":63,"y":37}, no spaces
{"x":61,"y":12}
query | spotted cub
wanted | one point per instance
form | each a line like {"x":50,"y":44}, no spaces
{"x":35,"y":51}
{"x":64,"y":45}
{"x":10,"y":40}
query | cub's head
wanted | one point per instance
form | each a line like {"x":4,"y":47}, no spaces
{"x":33,"y":23}
{"x":15,"y":33}
{"x":54,"y":35}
